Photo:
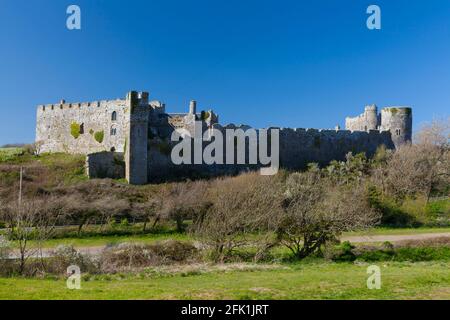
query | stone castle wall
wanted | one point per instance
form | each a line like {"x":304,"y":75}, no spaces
{"x":298,"y":148}
{"x":55,"y":121}
{"x":139,"y":131}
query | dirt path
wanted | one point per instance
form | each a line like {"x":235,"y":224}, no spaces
{"x":395,"y":238}
{"x":95,"y":250}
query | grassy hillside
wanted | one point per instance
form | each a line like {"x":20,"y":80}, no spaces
{"x":43,"y":171}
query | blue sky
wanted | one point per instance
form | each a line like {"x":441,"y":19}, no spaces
{"x":285,"y":63}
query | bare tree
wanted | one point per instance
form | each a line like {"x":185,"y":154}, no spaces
{"x":316,"y":211}
{"x":418,"y":169}
{"x":183,"y":200}
{"x":146,"y":210}
{"x":436,"y":133}
{"x":31,"y":219}
{"x":240,"y":206}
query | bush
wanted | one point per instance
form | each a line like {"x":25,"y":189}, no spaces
{"x":75,"y":130}
{"x":9,"y":154}
{"x":425,"y":250}
{"x":129,"y":256}
{"x":64,"y":256}
{"x":99,"y":135}
{"x":6,"y":264}
{"x":5,"y":249}
{"x":340,"y":253}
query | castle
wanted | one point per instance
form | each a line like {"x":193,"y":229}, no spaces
{"x":130,"y":138}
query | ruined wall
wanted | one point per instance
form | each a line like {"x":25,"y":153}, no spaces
{"x":105,"y":165}
{"x":365,"y":121}
{"x":82,"y":128}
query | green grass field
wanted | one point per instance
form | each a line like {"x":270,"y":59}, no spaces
{"x":307,"y":280}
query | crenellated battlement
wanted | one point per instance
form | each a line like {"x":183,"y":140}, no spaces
{"x":79,"y":105}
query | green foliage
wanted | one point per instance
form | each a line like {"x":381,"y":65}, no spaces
{"x":124,"y":222}
{"x":439,"y":209}
{"x":8,"y":154}
{"x":91,"y":132}
{"x":204,"y":115}
{"x":393,"y":110}
{"x":342,"y":252}
{"x":99,"y":135}
{"x":75,"y":130}
{"x":355,"y":168}
{"x":414,"y":254}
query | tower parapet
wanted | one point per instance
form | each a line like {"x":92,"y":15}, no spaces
{"x":365,"y":121}
{"x":397,"y":120}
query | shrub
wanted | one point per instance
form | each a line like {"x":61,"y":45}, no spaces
{"x":124,"y":222}
{"x":64,"y":256}
{"x":376,"y":255}
{"x":129,"y":256}
{"x":340,"y":253}
{"x":75,"y":130}
{"x":422,"y":254}
{"x":410,"y":250}
{"x":5,"y":262}
{"x":99,"y":136}
{"x":8,"y":154}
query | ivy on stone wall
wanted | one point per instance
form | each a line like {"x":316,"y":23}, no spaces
{"x":75,"y":130}
{"x":99,"y":135}
{"x":393,"y":110}
{"x":204,"y":115}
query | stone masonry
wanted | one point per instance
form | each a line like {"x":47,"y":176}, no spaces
{"x":138,"y":131}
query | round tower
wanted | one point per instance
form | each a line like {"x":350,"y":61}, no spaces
{"x":371,"y":117}
{"x":398,"y":120}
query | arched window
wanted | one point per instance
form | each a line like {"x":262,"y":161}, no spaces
{"x":82,"y":128}
{"x":113,"y":131}
{"x":114,"y":116}
{"x":397,"y":132}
